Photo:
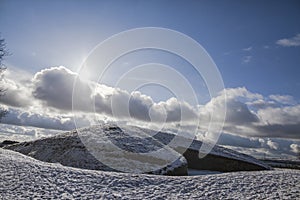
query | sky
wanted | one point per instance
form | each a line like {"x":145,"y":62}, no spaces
{"x":255,"y":46}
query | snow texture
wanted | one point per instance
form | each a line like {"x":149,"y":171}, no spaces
{"x":23,"y":177}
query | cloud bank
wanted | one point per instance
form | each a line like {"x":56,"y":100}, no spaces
{"x":44,"y":100}
{"x":50,"y":90}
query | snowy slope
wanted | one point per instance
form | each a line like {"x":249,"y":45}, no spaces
{"x":23,"y":177}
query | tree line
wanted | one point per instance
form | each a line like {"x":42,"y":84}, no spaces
{"x":3,"y":54}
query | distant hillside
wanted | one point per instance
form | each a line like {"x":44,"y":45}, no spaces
{"x":283,"y":163}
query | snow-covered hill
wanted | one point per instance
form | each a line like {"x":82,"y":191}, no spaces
{"x":133,"y":149}
{"x":23,"y":177}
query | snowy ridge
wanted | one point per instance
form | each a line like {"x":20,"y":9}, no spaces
{"x":23,"y":177}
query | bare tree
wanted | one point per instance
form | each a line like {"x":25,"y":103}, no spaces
{"x":3,"y":53}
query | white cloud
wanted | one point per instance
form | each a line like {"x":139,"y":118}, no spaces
{"x":261,"y":141}
{"x":17,"y":90}
{"x":48,"y":121}
{"x":54,"y":86}
{"x":240,"y":92}
{"x":250,"y":114}
{"x":237,"y":113}
{"x":290,"y":42}
{"x":284,"y":99}
{"x":248,"y":48}
{"x":246,"y":59}
{"x":272,"y":145}
{"x":285,"y":115}
{"x":295,"y":148}
{"x":23,"y":133}
{"x":261,"y":103}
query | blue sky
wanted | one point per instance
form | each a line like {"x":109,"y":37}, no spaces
{"x":255,"y":45}
{"x":50,"y":33}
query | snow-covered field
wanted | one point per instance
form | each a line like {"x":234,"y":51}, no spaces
{"x":23,"y":177}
